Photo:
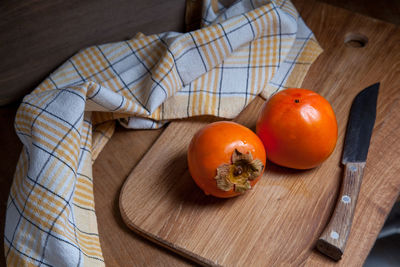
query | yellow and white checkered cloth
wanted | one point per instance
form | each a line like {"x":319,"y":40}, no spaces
{"x":253,"y":47}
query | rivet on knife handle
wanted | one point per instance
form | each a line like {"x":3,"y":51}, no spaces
{"x":358,"y":135}
{"x":334,"y":238}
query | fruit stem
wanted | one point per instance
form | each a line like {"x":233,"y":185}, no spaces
{"x":238,"y":170}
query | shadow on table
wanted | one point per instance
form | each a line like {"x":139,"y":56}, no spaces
{"x":10,"y":148}
{"x":386,"y":251}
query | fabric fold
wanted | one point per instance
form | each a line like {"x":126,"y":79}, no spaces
{"x":241,"y":51}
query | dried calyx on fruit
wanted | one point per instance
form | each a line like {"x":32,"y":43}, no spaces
{"x":217,"y":168}
{"x":237,"y":175}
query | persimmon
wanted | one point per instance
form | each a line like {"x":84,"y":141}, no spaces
{"x":226,"y":159}
{"x":298,"y":128}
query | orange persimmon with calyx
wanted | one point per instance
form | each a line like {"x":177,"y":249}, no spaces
{"x":226,"y":159}
{"x":298,"y":128}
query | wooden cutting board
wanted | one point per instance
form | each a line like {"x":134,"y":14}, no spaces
{"x":279,"y":221}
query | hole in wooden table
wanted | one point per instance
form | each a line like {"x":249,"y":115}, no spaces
{"x":356,"y":40}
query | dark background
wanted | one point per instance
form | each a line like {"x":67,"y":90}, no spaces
{"x":37,"y":36}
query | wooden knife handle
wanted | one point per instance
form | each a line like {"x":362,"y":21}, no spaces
{"x":333,"y":240}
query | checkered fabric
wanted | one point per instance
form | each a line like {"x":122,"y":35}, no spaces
{"x":250,"y":48}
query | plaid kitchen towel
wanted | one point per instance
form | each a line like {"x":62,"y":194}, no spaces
{"x":250,"y":48}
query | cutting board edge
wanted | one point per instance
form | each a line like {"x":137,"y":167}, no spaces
{"x":160,"y":241}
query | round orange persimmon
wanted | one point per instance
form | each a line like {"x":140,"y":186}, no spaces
{"x":298,"y":128}
{"x":226,"y":159}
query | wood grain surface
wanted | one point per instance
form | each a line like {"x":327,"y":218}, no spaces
{"x":279,"y":221}
{"x":30,"y":49}
{"x":37,"y":36}
{"x":384,"y":10}
{"x":121,"y":247}
{"x":333,"y":239}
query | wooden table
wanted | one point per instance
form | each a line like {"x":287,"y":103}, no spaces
{"x":121,"y":247}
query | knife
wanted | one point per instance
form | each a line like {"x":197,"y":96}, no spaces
{"x":358,"y":135}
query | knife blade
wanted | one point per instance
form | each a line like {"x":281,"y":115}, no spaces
{"x":357,"y":139}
